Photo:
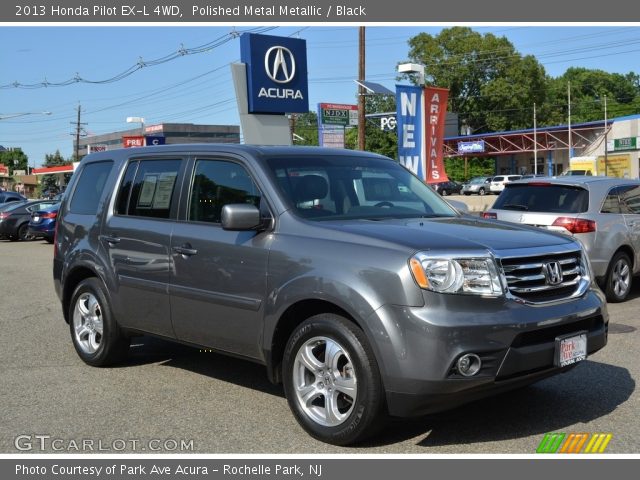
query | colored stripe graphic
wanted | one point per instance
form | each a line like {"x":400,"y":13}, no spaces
{"x":550,"y":443}
{"x":598,"y":443}
{"x":574,"y":443}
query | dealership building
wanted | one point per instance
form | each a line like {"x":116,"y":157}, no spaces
{"x":164,"y":133}
{"x":515,"y":150}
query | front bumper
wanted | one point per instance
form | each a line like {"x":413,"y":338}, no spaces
{"x":516,"y":342}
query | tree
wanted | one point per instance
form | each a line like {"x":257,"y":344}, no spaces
{"x":306,"y":127}
{"x":15,"y":159}
{"x":376,"y":140}
{"x":49,"y":181}
{"x":588,"y":89}
{"x":489,"y":82}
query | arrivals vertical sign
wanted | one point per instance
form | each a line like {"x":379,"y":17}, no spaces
{"x":421,"y":115}
{"x":436,"y":108}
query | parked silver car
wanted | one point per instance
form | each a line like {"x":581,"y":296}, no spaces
{"x":479,"y":185}
{"x":603,"y":213}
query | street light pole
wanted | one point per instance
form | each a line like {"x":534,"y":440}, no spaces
{"x":535,"y":141}
{"x":606,"y":173}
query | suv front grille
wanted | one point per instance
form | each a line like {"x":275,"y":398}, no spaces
{"x":543,"y":278}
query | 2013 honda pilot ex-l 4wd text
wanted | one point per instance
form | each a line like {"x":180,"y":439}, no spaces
{"x":352,"y":281}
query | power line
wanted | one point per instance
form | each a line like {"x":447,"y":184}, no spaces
{"x":181,"y":52}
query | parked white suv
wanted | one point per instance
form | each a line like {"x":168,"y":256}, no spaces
{"x":497,"y":184}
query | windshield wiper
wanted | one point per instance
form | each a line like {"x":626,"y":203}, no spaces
{"x":515,"y":206}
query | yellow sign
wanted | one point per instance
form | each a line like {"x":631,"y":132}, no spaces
{"x":617,"y":166}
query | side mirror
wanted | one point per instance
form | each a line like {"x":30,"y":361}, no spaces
{"x":240,"y":216}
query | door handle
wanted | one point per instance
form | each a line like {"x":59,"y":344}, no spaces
{"x":185,"y":250}
{"x":109,"y":239}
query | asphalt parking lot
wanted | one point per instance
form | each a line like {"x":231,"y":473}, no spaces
{"x":217,"y":404}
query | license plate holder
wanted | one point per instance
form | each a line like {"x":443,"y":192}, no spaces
{"x":571,"y":349}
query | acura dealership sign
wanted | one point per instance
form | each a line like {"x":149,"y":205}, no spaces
{"x":276,"y":73}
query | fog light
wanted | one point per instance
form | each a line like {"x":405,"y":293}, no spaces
{"x":469,"y":364}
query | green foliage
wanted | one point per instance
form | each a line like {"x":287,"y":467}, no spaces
{"x":306,"y":126}
{"x":476,"y":167}
{"x":15,"y":159}
{"x":488,"y":80}
{"x":588,"y":89}
{"x":53,"y":160}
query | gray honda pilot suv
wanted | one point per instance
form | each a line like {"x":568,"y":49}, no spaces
{"x":356,"y":285}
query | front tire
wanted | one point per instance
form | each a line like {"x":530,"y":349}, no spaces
{"x":619,"y":278}
{"x":332,"y":381}
{"x":482,"y":191}
{"x":94,"y":332}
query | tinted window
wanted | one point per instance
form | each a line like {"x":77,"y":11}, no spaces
{"x":217,"y":183}
{"x":153,"y":189}
{"x":122,"y":201}
{"x":543,"y":198}
{"x":630,"y":197}
{"x":88,"y":191}
{"x":498,"y":179}
{"x":611,"y":203}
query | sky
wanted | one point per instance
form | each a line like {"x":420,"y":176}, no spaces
{"x":197,"y":88}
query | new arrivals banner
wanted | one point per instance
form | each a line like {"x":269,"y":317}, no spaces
{"x":421,"y":114}
{"x":410,"y":114}
{"x":436,"y":108}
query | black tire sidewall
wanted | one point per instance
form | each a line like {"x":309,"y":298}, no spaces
{"x":111,"y":345}
{"x":482,"y":191}
{"x":609,"y":291}
{"x":369,"y":399}
{"x":23,"y":232}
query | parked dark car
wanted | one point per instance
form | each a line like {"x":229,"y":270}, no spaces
{"x":14,"y":219}
{"x":43,"y":222}
{"x":6,"y":197}
{"x":447,"y":188}
{"x":357,"y":286}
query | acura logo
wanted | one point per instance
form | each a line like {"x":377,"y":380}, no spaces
{"x":552,"y":273}
{"x":280,"y":64}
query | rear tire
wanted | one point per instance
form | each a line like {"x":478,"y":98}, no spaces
{"x":619,"y":278}
{"x":23,"y":232}
{"x":332,"y":381}
{"x":94,"y":332}
{"x":444,"y":193}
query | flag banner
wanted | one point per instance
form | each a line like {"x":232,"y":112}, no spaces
{"x":410,"y":115}
{"x":436,"y":111}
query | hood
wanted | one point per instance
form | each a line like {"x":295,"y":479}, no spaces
{"x":458,"y":233}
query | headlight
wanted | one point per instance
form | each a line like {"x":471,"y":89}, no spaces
{"x":456,"y":274}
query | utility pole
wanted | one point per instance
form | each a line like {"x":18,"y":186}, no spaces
{"x":535,"y":141}
{"x":361,"y":92}
{"x":78,"y":132}
{"x":606,"y":127}
{"x":569,"y":112}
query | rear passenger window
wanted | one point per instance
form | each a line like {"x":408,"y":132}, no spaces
{"x":217,"y":183}
{"x":611,"y":204}
{"x":152,"y":189}
{"x":88,"y":191}
{"x":631,"y":199}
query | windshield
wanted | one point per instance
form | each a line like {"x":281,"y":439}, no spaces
{"x":351,"y":187}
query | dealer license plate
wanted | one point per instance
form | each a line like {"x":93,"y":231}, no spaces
{"x":571,"y":349}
